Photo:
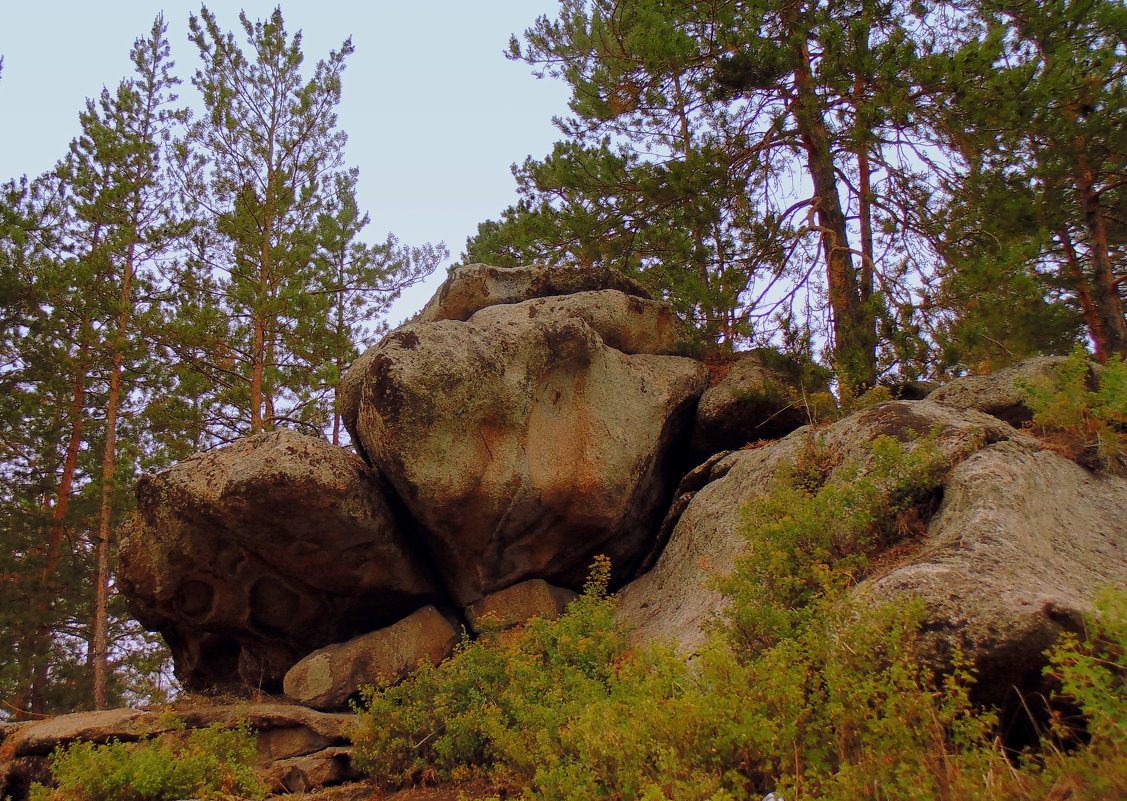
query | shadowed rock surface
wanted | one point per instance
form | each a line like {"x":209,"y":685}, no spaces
{"x":248,"y":557}
{"x":518,"y":604}
{"x":763,"y":395}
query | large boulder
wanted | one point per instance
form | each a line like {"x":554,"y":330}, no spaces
{"x":1021,"y":541}
{"x":248,"y":557}
{"x":329,"y":677}
{"x":522,"y":442}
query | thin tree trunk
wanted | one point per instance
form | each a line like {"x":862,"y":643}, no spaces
{"x":708,"y":310}
{"x":105,"y":511}
{"x":865,"y":197}
{"x":31,"y":701}
{"x":1079,"y":281}
{"x":854,"y":349}
{"x":341,"y":294}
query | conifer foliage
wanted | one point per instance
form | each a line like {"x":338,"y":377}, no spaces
{"x":170,"y":285}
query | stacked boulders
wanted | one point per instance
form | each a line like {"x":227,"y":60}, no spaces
{"x":530,"y":419}
{"x":525,"y":422}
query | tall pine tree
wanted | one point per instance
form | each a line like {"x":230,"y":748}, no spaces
{"x":121,"y":204}
{"x":261,"y":164}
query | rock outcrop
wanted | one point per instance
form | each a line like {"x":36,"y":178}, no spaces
{"x":1020,"y":543}
{"x":248,"y":557}
{"x":523,"y":443}
{"x":298,"y":748}
{"x":530,"y":419}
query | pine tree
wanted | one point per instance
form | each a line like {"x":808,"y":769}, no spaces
{"x":121,"y":205}
{"x":48,"y":345}
{"x":1036,"y":117}
{"x":261,"y":164}
{"x":725,"y":148}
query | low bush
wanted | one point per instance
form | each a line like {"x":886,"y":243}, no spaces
{"x":208,"y":763}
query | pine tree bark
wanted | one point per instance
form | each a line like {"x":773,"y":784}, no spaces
{"x":105,"y":510}
{"x":1080,"y":285}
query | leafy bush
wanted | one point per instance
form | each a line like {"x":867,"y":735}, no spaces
{"x":499,"y":700}
{"x":809,"y":538}
{"x":210,"y":763}
{"x":1083,"y":413}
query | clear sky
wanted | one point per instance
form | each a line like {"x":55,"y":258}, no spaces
{"x":434,"y":112}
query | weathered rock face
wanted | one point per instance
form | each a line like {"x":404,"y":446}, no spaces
{"x":1021,"y":541}
{"x":1001,"y":392}
{"x":476,"y":286}
{"x":327,"y":678}
{"x":248,"y":557}
{"x":675,"y":599}
{"x":762,"y":396}
{"x":521,"y":442}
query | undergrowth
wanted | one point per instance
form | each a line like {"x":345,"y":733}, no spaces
{"x":801,"y":692}
{"x":1083,"y":413}
{"x":208,"y":763}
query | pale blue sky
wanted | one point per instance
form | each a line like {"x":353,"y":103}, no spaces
{"x":434,"y":113}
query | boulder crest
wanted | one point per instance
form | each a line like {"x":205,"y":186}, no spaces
{"x":250,"y":556}
{"x":473,"y":287}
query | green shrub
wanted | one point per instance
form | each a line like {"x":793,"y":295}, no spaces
{"x":210,"y":763}
{"x":805,"y":693}
{"x":497,"y":701}
{"x":1083,"y":413}
{"x":808,"y":538}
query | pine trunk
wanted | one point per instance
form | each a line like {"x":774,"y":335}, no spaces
{"x":1080,"y":285}
{"x":30,"y":702}
{"x":105,"y":510}
{"x":854,"y":344}
{"x":1103,"y":287}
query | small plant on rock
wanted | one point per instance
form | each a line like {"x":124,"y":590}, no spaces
{"x":1082,"y":412}
{"x":209,"y":763}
